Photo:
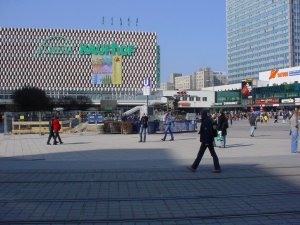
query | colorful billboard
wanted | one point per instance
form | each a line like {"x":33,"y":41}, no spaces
{"x":247,"y":88}
{"x":106,"y":69}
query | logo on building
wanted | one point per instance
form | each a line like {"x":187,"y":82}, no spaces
{"x":112,"y":49}
{"x":276,"y":72}
{"x":56,"y":45}
{"x":273,"y":74}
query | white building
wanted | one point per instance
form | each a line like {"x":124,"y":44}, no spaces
{"x":193,"y":99}
{"x":183,"y":82}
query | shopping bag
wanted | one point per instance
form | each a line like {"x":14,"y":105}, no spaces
{"x":219,"y":137}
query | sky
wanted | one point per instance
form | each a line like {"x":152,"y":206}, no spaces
{"x":191,"y":33}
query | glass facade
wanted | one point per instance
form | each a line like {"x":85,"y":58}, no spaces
{"x":261,"y":35}
{"x":228,"y":96}
{"x":280,"y":91}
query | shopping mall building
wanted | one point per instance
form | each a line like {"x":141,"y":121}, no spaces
{"x":99,"y":64}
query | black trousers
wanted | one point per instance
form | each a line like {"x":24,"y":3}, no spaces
{"x":201,"y":153}
{"x":56,"y":135}
{"x":51,"y":135}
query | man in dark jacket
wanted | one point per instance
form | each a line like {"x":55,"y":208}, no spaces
{"x":143,"y":128}
{"x":206,"y":139}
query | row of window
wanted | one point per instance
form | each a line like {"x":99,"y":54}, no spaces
{"x":259,"y":68}
{"x":193,"y":98}
{"x":258,"y":38}
{"x":250,"y":6}
{"x":247,"y":24}
{"x":251,"y":54}
{"x":258,"y":41}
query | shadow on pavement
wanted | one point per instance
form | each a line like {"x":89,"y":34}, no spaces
{"x":77,"y":192}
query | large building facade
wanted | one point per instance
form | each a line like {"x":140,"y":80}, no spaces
{"x":261,"y":35}
{"x":71,"y":62}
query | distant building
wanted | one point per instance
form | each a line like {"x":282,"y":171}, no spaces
{"x":205,"y":77}
{"x":183,"y":82}
{"x":220,"y":78}
{"x":167,"y":86}
{"x":202,"y":78}
{"x":173,"y":76}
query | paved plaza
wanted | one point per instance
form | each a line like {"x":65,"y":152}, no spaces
{"x":112,"y":179}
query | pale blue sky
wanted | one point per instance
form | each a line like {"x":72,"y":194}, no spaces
{"x":191,"y":33}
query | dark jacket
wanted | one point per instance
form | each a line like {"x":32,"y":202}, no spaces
{"x":206,"y":129}
{"x":50,"y":126}
{"x":223,"y":124}
{"x":144,"y":121}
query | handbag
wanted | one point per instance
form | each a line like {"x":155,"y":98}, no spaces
{"x":219,"y":137}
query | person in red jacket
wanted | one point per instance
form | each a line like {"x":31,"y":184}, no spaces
{"x":56,"y":127}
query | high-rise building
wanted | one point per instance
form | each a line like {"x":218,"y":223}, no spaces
{"x":202,"y":78}
{"x":261,"y":35}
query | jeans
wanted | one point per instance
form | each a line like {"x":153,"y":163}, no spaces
{"x":252,"y":128}
{"x":294,"y":141}
{"x":201,"y":153}
{"x":168,"y":129}
{"x":143,"y":130}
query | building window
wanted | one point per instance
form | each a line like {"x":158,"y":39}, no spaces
{"x":204,"y":99}
{"x":198,"y":99}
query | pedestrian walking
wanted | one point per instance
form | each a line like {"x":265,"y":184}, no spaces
{"x":222,"y":126}
{"x":294,"y":130}
{"x":266,"y":118}
{"x":206,"y":138}
{"x":252,"y":122}
{"x":56,"y":127}
{"x":168,"y":123}
{"x":143,"y":127}
{"x":51,"y":133}
{"x":276,"y":118}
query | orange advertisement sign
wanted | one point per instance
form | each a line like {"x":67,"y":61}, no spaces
{"x":275,"y":73}
{"x":283,"y":74}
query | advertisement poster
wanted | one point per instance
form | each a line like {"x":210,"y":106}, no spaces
{"x":106,"y":69}
{"x":247,"y":88}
